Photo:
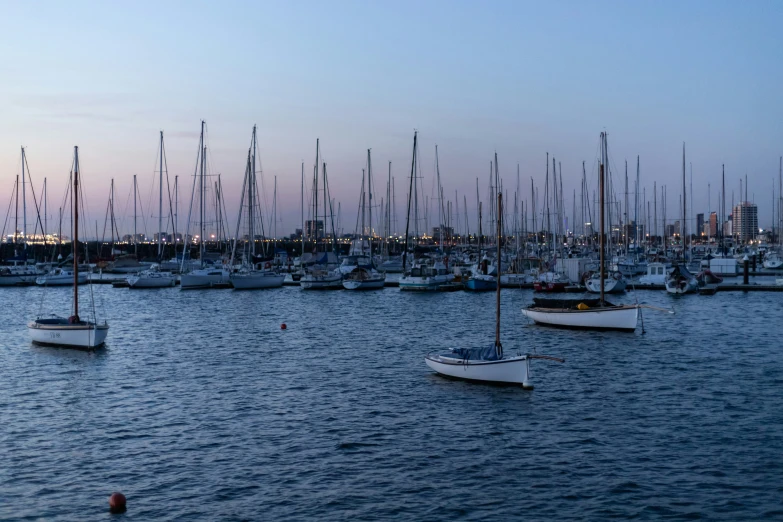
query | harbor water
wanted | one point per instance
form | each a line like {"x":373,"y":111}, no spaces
{"x":200,"y":407}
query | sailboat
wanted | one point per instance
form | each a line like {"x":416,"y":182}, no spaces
{"x":248,"y":277}
{"x":427,"y":273}
{"x":364,"y":276}
{"x":321,"y":275}
{"x":482,"y":275}
{"x":488,"y":364}
{"x":614,"y":284}
{"x":154,"y":276}
{"x":73,"y":331}
{"x":587,"y":313}
{"x":204,"y":276}
{"x":680,"y":280}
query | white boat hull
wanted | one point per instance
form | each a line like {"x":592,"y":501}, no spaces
{"x":425,"y":284}
{"x":78,"y":336}
{"x":330,"y":281}
{"x":367,"y":284}
{"x":203,"y":279}
{"x":513,"y":370}
{"x":611,"y":285}
{"x":61,"y":280}
{"x":255,"y":281}
{"x":619,"y":318}
{"x":690,"y":287}
{"x":161,"y":280}
{"x":18,"y":279}
{"x":773,"y":264}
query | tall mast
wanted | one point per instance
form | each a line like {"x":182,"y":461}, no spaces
{"x":45,"y":197}
{"x":160,"y":201}
{"x":16,"y":215}
{"x":302,"y":208}
{"x":75,"y":198}
{"x":601,"y":214}
{"x":315,"y":198}
{"x":24,"y":203}
{"x":498,"y":346}
{"x":135,"y":244}
{"x":440,"y":201}
{"x":410,"y":195}
{"x":203,"y":151}
{"x":684,"y":200}
{"x":251,"y":188}
{"x":274,"y":222}
{"x":369,"y":192}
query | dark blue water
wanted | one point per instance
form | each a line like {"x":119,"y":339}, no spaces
{"x":201,"y":408}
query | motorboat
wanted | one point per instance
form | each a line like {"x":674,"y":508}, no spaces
{"x":321,"y":279}
{"x":255,"y":279}
{"x":426,"y":274}
{"x":204,"y":278}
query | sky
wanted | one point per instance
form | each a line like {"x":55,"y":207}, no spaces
{"x":522,"y":79}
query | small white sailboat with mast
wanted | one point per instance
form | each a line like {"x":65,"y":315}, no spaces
{"x":596,"y":314}
{"x":321,"y":273}
{"x":365,"y":276}
{"x":248,"y":277}
{"x":205,"y":276}
{"x":489,"y":364}
{"x":154,"y":277}
{"x":71,"y":332}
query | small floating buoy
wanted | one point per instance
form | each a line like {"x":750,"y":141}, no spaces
{"x":117,"y":503}
{"x":283,"y":326}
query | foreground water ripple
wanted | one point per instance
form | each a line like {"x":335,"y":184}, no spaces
{"x":201,"y":408}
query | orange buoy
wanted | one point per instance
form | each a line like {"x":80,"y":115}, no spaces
{"x":117,"y":502}
{"x":283,"y":326}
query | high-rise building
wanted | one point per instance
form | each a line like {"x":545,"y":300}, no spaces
{"x":699,"y":223}
{"x":713,"y":224}
{"x":746,"y":221}
{"x":312,"y":227}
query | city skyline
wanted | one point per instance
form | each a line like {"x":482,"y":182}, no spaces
{"x":519,"y":79}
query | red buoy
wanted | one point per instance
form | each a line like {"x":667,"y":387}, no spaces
{"x":283,"y":326}
{"x":117,"y":503}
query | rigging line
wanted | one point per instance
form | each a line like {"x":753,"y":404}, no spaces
{"x":35,"y":200}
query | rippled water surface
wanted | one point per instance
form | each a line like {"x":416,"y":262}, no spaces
{"x":201,"y":408}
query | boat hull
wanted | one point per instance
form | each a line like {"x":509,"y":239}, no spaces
{"x":60,"y":280}
{"x":142,"y":281}
{"x":19,"y":279}
{"x":677,"y":288}
{"x":510,"y":370}
{"x":621,"y":318}
{"x":474,"y":284}
{"x":62,"y":334}
{"x":369,"y":284}
{"x":611,"y":285}
{"x":330,"y":281}
{"x":194,"y":281}
{"x":257,"y":281}
{"x":424,"y":284}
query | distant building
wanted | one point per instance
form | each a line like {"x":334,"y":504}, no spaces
{"x":728,"y":229}
{"x":746,"y":221}
{"x":448,"y":233}
{"x":713,"y":224}
{"x":699,"y":223}
{"x":313,"y":227}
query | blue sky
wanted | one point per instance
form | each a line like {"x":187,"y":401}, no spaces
{"x":519,"y":78}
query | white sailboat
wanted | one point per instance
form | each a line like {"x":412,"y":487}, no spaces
{"x":322,"y":274}
{"x":364,"y":276}
{"x":204,"y":276}
{"x":248,"y":277}
{"x":425,"y":273}
{"x":490,"y":364}
{"x":154,"y":276}
{"x":73,"y":331}
{"x":587,"y":313}
{"x":615,"y":284}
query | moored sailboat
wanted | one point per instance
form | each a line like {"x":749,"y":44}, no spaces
{"x":488,"y":364}
{"x":73,"y":331}
{"x":587,"y":313}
